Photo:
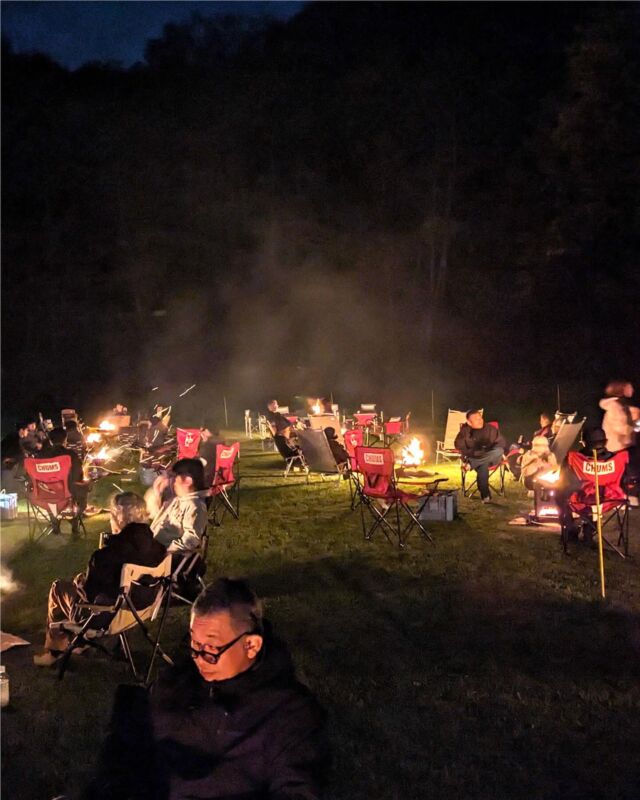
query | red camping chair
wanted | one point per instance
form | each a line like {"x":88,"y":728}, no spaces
{"x":49,"y":496}
{"x":188,"y":442}
{"x":225,"y":490}
{"x":395,"y":428}
{"x":496,"y":474}
{"x":385,"y":500}
{"x":614,"y":504}
{"x":366,"y":422}
{"x":352,"y":440}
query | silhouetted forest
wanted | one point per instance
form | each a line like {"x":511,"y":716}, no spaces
{"x":367,"y":195}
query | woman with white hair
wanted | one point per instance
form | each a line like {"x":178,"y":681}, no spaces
{"x":130,"y":542}
{"x":620,"y":415}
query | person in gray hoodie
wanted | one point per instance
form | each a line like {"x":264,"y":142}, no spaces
{"x":180,"y":521}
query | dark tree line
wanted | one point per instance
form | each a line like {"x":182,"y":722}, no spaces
{"x":438,"y":192}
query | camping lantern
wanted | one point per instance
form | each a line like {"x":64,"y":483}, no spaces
{"x":545,"y":508}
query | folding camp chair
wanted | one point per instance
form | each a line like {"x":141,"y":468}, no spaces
{"x":394,"y":429}
{"x":188,"y":570}
{"x":445,"y":449}
{"x":385,"y":500}
{"x":68,"y":415}
{"x":352,"y":440}
{"x":367,"y":423}
{"x":49,"y":498}
{"x":293,"y":459}
{"x":188,"y":440}
{"x":614,"y":504}
{"x":317,"y":453}
{"x":145,"y":593}
{"x":497,"y":473}
{"x":225,"y":489}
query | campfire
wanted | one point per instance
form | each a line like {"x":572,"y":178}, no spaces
{"x":316,"y":408}
{"x":412,"y":455}
{"x":552,"y":477}
{"x":105,"y":425}
{"x":94,"y":437}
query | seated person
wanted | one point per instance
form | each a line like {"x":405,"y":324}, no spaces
{"x":339,"y":453}
{"x":78,"y":487}
{"x":278,"y":424}
{"x":156,"y":434}
{"x":538,"y":459}
{"x":180,"y":522}
{"x":482,"y":446}
{"x":131,"y":542}
{"x":168,"y":741}
{"x":30,"y":442}
{"x":569,"y":483}
{"x":546,"y":422}
{"x":119,"y":410}
{"x":209,"y":440}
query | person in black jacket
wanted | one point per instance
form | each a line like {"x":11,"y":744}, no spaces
{"x":232,"y":721}
{"x":131,"y":542}
{"x":482,"y":446}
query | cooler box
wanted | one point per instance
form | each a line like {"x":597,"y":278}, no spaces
{"x":8,"y":505}
{"x":440,"y":507}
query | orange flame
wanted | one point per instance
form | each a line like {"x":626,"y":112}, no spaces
{"x":316,"y":408}
{"x":94,"y":437}
{"x":105,"y":425}
{"x":413,"y":454}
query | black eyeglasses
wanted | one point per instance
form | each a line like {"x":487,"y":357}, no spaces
{"x":213,"y":658}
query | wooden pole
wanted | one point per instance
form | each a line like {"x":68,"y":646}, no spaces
{"x":226,"y":416}
{"x":599,"y":524}
{"x":558,"y":407}
{"x":433,"y":408}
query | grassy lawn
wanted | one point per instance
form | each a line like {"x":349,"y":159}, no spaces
{"x":483,"y":666}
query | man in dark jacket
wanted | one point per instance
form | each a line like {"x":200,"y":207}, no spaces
{"x":131,"y":542}
{"x":232,"y":723}
{"x":482,"y":446}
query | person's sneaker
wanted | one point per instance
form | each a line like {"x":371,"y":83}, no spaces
{"x":486,"y":499}
{"x":46,"y":659}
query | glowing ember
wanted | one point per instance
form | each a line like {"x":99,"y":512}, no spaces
{"x":412,"y":454}
{"x":105,"y":425}
{"x":316,"y":408}
{"x":94,"y":437}
{"x":553,"y":476}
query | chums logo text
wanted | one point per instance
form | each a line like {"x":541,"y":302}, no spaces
{"x":374,"y":458}
{"x":604,"y":467}
{"x":226,"y":453}
{"x":48,"y":466}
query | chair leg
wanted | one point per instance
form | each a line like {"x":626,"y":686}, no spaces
{"x":124,"y":643}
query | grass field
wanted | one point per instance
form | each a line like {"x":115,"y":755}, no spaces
{"x":483,"y":666}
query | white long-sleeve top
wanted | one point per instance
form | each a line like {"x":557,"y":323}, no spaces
{"x":181,"y":522}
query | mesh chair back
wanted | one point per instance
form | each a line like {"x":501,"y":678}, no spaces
{"x":368,"y":407}
{"x":565,"y":439}
{"x":376,"y":464}
{"x":226,"y":455}
{"x":188,"y":442}
{"x":364,"y":420}
{"x":610,"y":473}
{"x":455,"y":419}
{"x":144,"y":587}
{"x":316,"y":451}
{"x":393,"y":426}
{"x":49,"y":482}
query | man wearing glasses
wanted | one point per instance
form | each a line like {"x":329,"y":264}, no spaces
{"x":231,"y":721}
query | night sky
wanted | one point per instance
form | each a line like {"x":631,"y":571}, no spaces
{"x":74,"y":33}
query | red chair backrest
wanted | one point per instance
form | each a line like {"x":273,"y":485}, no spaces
{"x":376,"y":464}
{"x":364,"y":420}
{"x":494,"y":425}
{"x":188,"y":442}
{"x":610,"y":473}
{"x":352,"y":440}
{"x":226,"y":455}
{"x":49,"y":482}
{"x":393,"y":426}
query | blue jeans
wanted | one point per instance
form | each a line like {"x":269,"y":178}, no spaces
{"x":481,"y":465}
